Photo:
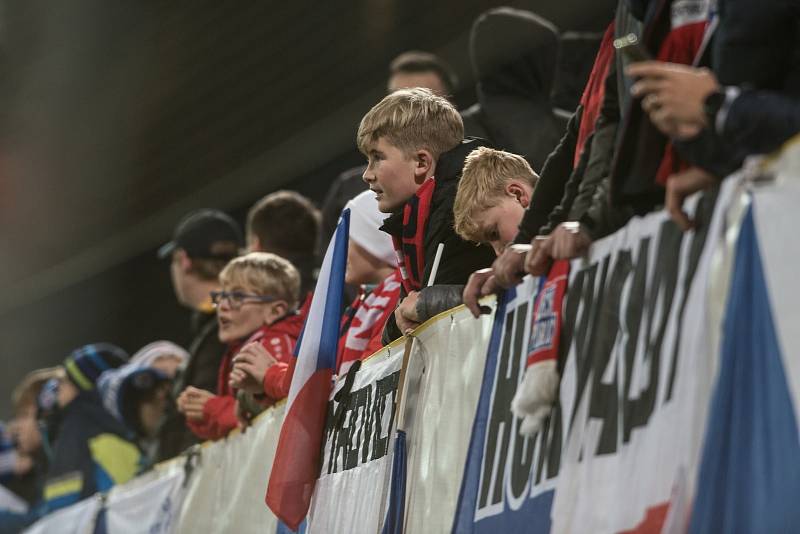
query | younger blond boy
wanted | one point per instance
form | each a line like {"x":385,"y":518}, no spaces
{"x":256,"y":311}
{"x":493,"y":194}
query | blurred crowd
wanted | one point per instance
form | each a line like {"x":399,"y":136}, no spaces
{"x":679,"y":93}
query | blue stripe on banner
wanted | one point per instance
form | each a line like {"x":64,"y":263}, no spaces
{"x":749,"y":478}
{"x":329,"y":334}
{"x":464,"y":520}
{"x":395,"y":515}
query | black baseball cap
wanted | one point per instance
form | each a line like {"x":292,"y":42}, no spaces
{"x":206,"y":234}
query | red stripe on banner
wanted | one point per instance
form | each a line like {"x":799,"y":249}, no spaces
{"x":653,"y":521}
{"x":296,"y":466}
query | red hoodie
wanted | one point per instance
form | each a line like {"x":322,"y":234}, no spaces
{"x":279,"y":339}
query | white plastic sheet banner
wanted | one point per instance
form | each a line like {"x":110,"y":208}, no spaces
{"x":639,"y":373}
{"x":775,"y":215}
{"x":226,"y":491}
{"x":9,"y":501}
{"x":148,"y":505}
{"x":351,"y":493}
{"x":76,"y":519}
{"x":452,"y":351}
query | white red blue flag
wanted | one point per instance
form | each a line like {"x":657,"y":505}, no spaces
{"x":296,"y":466}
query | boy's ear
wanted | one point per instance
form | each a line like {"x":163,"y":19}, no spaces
{"x":519,"y":192}
{"x":275,"y":311}
{"x":424,"y":165}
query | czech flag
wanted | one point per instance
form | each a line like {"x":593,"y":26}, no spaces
{"x":296,"y":466}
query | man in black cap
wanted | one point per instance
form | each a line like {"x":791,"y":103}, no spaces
{"x":204,"y":242}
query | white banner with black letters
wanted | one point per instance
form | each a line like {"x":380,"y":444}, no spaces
{"x":350,"y":495}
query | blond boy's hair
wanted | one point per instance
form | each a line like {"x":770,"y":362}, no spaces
{"x":265,"y":274}
{"x":412,"y":119}
{"x":482,"y":186}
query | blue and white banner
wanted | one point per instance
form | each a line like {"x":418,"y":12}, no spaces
{"x":637,"y":362}
{"x":508,"y":481}
{"x":750,"y":472}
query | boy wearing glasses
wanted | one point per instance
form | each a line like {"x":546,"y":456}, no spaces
{"x":256,"y":308}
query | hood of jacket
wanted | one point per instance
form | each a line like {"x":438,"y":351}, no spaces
{"x":514,"y":52}
{"x":514,"y":56}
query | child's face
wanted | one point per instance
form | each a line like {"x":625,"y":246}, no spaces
{"x":390,"y":175}
{"x":238,"y":320}
{"x":67,"y":391}
{"x":25,"y":430}
{"x":363,"y":267}
{"x":152,"y":410}
{"x":500,"y":223}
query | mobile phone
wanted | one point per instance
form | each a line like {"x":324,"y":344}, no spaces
{"x":633,"y":50}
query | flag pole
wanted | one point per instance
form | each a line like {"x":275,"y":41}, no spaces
{"x":409,"y":347}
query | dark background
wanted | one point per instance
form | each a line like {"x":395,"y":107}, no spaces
{"x":116,"y":118}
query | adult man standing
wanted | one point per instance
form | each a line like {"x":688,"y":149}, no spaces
{"x":203,"y":243}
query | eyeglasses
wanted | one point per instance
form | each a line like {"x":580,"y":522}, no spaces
{"x":236,"y":299}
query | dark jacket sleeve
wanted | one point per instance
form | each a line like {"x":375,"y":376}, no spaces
{"x":437,"y":299}
{"x":708,"y":151}
{"x":600,"y":148}
{"x":550,"y":187}
{"x":431,"y":302}
{"x":604,"y":218}
{"x":759,"y":122}
{"x":594,"y":165}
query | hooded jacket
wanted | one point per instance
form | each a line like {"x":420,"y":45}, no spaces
{"x":514,"y":57}
{"x":460,"y":258}
{"x":92,"y":453}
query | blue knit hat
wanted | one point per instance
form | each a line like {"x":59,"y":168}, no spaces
{"x":85,"y":364}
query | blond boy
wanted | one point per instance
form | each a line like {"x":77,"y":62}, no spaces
{"x":493,"y":194}
{"x":258,"y":322}
{"x":415,"y":150}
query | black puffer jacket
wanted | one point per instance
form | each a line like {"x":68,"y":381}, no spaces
{"x":206,"y":353}
{"x":460,"y":258}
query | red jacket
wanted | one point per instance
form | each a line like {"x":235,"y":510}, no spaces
{"x":279,"y":339}
{"x":278,"y":377}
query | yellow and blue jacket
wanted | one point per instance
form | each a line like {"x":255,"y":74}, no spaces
{"x":92,"y":453}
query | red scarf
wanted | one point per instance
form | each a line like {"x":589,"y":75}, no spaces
{"x":369,"y":315}
{"x":548,"y":315}
{"x":410,"y":248}
{"x":595,"y":90}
